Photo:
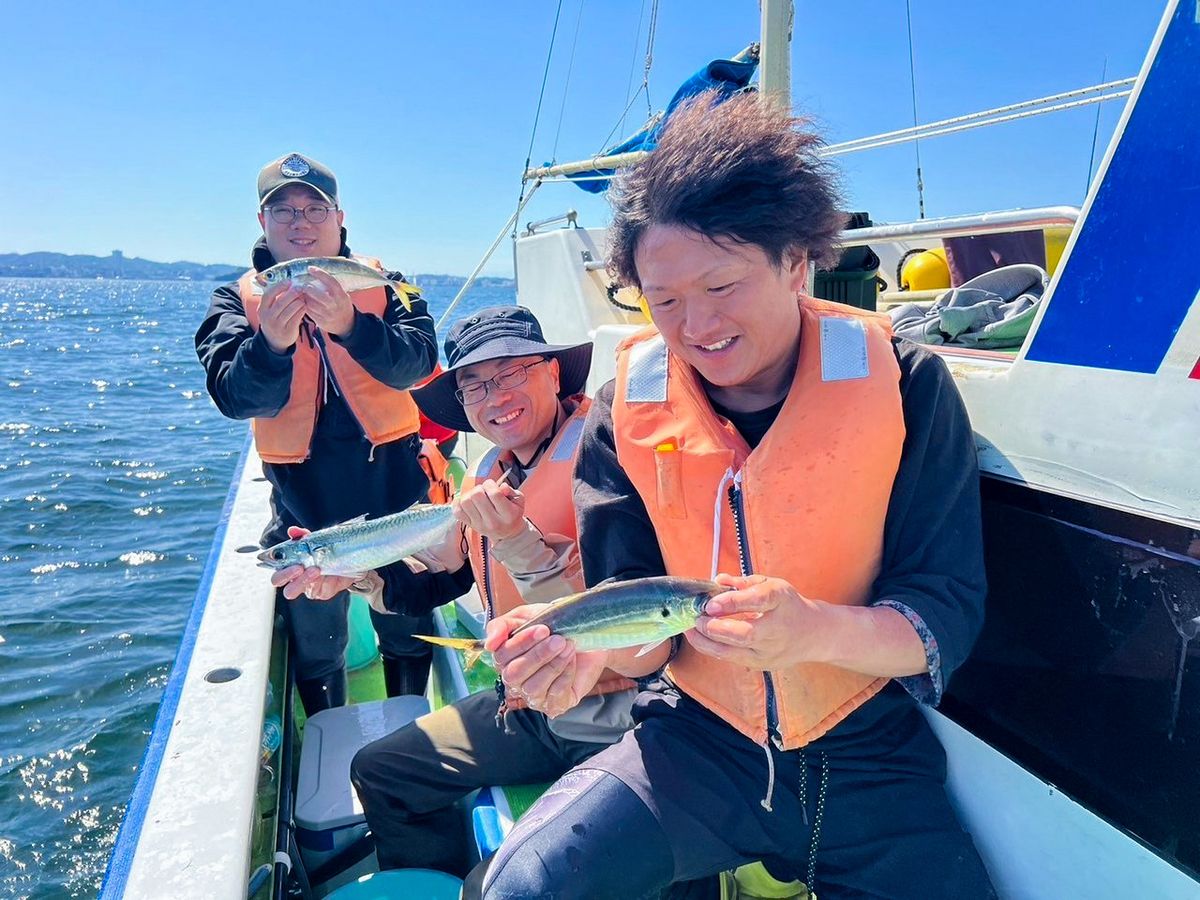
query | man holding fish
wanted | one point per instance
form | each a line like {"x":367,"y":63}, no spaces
{"x":516,"y":541}
{"x":319,"y":348}
{"x":822,"y":471}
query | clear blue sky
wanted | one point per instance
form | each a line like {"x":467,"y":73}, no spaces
{"x":141,"y":126}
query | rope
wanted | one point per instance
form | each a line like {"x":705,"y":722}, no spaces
{"x":488,"y":255}
{"x":570,"y":68}
{"x":912,"y":80}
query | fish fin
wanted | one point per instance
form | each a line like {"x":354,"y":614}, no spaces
{"x":472,"y":657}
{"x":405,"y":292}
{"x":356,"y":519}
{"x":650,"y":647}
{"x":470,"y":646}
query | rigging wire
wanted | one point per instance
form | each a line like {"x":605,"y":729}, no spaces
{"x":930,"y":132}
{"x":644,"y":86}
{"x":1095,"y":132}
{"x":538,"y":114}
{"x":912,"y":80}
{"x":637,"y":35}
{"x":650,"y":54}
{"x":570,"y":68}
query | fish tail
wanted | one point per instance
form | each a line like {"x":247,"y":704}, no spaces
{"x":471,"y":647}
{"x":406,"y":292}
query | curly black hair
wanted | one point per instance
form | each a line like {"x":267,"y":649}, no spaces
{"x":743,"y":170}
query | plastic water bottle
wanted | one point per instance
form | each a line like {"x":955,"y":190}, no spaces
{"x":272,"y":736}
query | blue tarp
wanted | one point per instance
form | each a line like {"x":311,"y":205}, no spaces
{"x":726,"y":76}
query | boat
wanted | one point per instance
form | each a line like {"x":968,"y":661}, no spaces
{"x":1072,"y":731}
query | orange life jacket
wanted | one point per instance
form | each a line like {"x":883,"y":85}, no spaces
{"x":807,"y":504}
{"x":384,"y":413}
{"x":548,"y":505}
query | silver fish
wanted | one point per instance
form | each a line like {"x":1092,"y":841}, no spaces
{"x":350,"y":274}
{"x":613,"y":616}
{"x":356,"y":547}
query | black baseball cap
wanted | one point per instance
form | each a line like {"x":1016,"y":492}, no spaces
{"x":297,"y":169}
{"x":498,"y":333}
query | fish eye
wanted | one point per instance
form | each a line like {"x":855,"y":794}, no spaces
{"x":276,"y":554}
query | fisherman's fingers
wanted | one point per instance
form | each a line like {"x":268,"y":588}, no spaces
{"x":534,"y":670}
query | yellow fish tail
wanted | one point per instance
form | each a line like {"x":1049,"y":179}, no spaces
{"x":472,"y":648}
{"x":406,"y":292}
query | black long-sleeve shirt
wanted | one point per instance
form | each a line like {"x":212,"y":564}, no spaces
{"x":343,"y":476}
{"x":932,"y":568}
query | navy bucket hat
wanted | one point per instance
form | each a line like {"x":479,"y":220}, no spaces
{"x":497,"y":333}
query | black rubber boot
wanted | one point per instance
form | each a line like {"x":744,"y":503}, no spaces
{"x":405,"y":674}
{"x":326,"y":692}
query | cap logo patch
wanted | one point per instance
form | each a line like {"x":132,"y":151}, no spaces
{"x":294,"y":167}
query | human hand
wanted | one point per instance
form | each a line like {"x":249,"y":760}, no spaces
{"x":543,"y":669}
{"x":297,"y":580}
{"x":327,"y":303}
{"x":279,"y":315}
{"x":494,"y":510}
{"x":763,"y":623}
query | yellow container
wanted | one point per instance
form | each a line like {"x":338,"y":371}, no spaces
{"x":925,"y":271}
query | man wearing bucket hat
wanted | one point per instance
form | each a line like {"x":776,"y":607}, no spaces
{"x":324,"y":375}
{"x":517,"y":540}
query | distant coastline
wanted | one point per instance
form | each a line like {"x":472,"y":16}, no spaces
{"x":131,"y":268}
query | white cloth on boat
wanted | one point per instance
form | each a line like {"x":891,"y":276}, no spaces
{"x":991,"y":311}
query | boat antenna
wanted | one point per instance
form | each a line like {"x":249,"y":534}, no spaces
{"x":1095,"y":131}
{"x":912,"y":80}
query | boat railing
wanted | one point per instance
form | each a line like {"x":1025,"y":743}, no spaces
{"x":1032,"y":219}
{"x":571,"y":217}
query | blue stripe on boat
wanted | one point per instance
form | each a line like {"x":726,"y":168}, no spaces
{"x":121,"y":862}
{"x":1148,"y":203}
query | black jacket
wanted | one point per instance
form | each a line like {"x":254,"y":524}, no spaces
{"x":339,"y":480}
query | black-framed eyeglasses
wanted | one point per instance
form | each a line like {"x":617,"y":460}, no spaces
{"x":510,"y":378}
{"x":286,"y":215}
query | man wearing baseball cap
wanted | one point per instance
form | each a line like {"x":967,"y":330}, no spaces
{"x":325,"y":375}
{"x":517,"y":541}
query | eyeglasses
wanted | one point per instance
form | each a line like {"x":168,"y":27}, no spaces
{"x":510,"y":378}
{"x":286,"y":215}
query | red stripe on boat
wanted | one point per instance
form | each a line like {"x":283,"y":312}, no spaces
{"x":1196,"y":371}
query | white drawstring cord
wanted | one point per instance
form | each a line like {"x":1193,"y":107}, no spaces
{"x":717,"y":508}
{"x":765,"y":802}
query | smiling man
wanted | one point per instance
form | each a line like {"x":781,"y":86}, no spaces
{"x":517,"y":543}
{"x":324,"y":375}
{"x":822,"y":470}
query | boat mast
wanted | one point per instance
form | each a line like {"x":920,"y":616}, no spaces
{"x":775,"y":64}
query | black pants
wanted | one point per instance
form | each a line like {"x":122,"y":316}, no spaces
{"x":409,"y":781}
{"x":859,"y":813}
{"x":319,"y":633}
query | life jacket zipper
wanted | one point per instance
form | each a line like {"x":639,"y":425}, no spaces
{"x":737,"y":505}
{"x":489,"y":605}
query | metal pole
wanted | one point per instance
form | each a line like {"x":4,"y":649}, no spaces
{"x":775,"y":73}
